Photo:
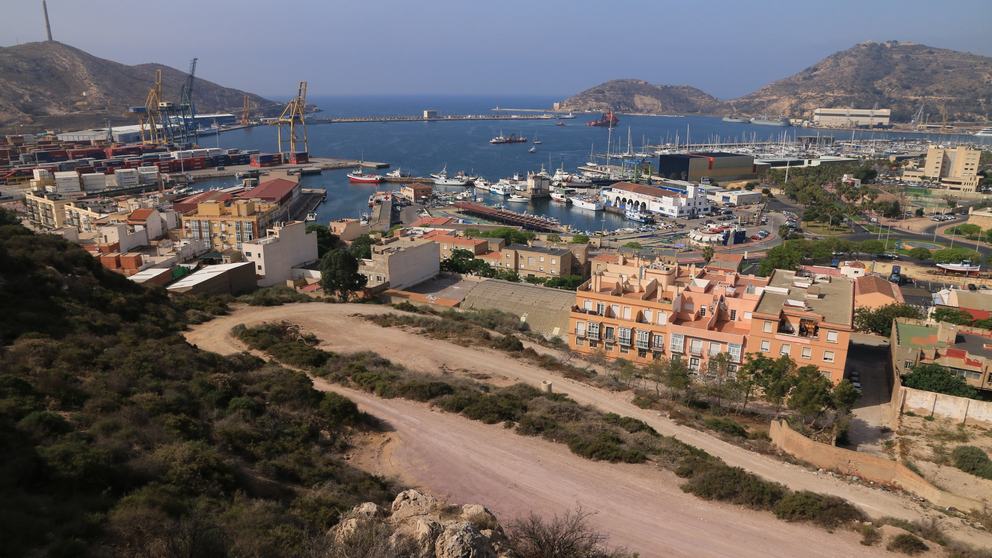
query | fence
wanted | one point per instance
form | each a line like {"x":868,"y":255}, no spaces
{"x":868,"y":467}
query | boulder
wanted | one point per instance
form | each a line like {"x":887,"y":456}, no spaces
{"x":411,"y":503}
{"x":479,"y":515}
{"x":463,"y":540}
{"x":368,"y":509}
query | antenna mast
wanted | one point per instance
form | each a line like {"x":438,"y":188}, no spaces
{"x":48,"y":27}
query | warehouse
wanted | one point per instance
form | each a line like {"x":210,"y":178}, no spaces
{"x":705,"y":167}
{"x":852,"y":118}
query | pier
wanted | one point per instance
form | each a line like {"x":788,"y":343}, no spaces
{"x":505,"y":217}
{"x":448,"y":118}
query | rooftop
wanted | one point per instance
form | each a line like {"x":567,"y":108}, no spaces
{"x":272,"y":191}
{"x":834,"y":299}
{"x":868,"y":284}
{"x":539,"y":249}
{"x":917,"y":336}
{"x":206,"y":274}
{"x":643,"y":189}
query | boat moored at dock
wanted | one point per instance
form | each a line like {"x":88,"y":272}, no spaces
{"x":586,"y":202}
{"x":362,"y":178}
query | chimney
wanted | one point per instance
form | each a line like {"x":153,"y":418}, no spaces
{"x":48,"y":27}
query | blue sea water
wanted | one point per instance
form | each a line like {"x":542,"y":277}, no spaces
{"x":427,"y":147}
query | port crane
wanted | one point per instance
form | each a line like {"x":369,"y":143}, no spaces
{"x":149,"y":116}
{"x":943,"y":115}
{"x":246,"y":113}
{"x":180,"y":127}
{"x":292,"y":120}
{"x":917,"y":122}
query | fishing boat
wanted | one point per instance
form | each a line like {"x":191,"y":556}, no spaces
{"x":360,"y":177}
{"x":638,"y":216}
{"x":516,"y":198}
{"x":482,"y":183}
{"x":736,"y":119}
{"x":311,"y":217}
{"x":607,"y":119}
{"x":512,"y":139}
{"x":764,"y":120}
{"x":560,"y":124}
{"x":964,"y":266}
{"x":441,"y":179}
{"x":559,"y":196}
{"x":502,"y":188}
{"x":398,"y":174}
{"x":586,"y":202}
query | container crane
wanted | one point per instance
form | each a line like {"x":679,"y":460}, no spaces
{"x":149,"y":115}
{"x":917,"y":122}
{"x":246,"y":113}
{"x":180,"y":127}
{"x":943,"y":115}
{"x":292,"y":120}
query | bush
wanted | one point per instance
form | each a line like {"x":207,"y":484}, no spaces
{"x":424,"y":391}
{"x":827,"y":511}
{"x":510,"y":343}
{"x":870,"y":535}
{"x":711,"y":480}
{"x":629,"y":424}
{"x":606,"y":447}
{"x":727,"y":426}
{"x":971,"y":459}
{"x":491,"y":409}
{"x":907,"y":544}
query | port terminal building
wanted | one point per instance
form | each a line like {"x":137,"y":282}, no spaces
{"x":706,"y":167}
{"x":852,"y":118}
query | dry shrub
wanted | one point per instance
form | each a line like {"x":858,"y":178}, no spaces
{"x":907,"y":544}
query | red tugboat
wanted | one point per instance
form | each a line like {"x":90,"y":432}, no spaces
{"x":605,"y":120}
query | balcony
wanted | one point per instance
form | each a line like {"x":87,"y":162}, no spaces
{"x":589,"y":312}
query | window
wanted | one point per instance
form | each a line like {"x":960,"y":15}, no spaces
{"x":641,"y":353}
{"x":828,"y":356}
{"x":580,"y":342}
{"x":444,"y":246}
{"x":786,"y":349}
{"x":542,"y":258}
{"x":696,"y":346}
{"x":831,"y":337}
{"x":693,"y":363}
{"x":735,"y":351}
{"x":766,"y":327}
{"x":248,"y":254}
{"x":626,"y":312}
{"x":601,"y":308}
{"x":732,"y":371}
{"x":625,"y":336}
{"x":648,"y":315}
{"x":715,"y":349}
{"x":766,"y":346}
{"x":747,"y":315}
{"x":610,"y":334}
{"x":593,"y":344}
{"x":658,"y":342}
{"x":807,"y":352}
{"x":593,"y":330}
{"x":608,"y":347}
{"x":587,"y":305}
{"x":643,"y":337}
{"x":553,"y":261}
{"x":624,"y":350}
{"x":677,"y":342}
{"x":702,"y":311}
{"x":530,"y":261}
{"x":259,"y":267}
{"x":580,"y":329}
{"x":614,"y":310}
{"x":733,"y":315}
{"x":541,"y":269}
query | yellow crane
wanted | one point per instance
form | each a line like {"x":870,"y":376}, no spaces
{"x":149,"y":116}
{"x":943,"y":114}
{"x":246,"y":113}
{"x":292,"y":120}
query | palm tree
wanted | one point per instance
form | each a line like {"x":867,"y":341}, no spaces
{"x":708,"y":253}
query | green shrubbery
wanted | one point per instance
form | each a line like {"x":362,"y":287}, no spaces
{"x":727,"y":426}
{"x":827,"y":511}
{"x":907,"y":544}
{"x":629,"y":424}
{"x":277,"y":340}
{"x":974,"y":460}
{"x":713,"y":480}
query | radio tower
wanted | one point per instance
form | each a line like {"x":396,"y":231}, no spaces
{"x":48,"y":26}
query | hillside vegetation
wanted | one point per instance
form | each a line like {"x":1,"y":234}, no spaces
{"x":898,"y":76}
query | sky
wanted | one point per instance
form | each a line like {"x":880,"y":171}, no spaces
{"x":727,"y":48}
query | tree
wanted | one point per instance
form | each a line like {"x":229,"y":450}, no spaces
{"x":470,"y":232}
{"x":934,"y":377}
{"x":845,"y":396}
{"x":951,"y":204}
{"x":919,"y":212}
{"x":777,"y":380}
{"x":361,"y":247}
{"x":655,"y":372}
{"x":677,"y":376}
{"x":708,"y":253}
{"x":872,"y":247}
{"x":951,"y":255}
{"x":509,"y":235}
{"x":339,"y":274}
{"x":717,"y":380}
{"x":879,"y":320}
{"x":553,"y":237}
{"x":579,"y":239}
{"x":464,"y":261}
{"x":325,"y":240}
{"x":634,"y":245}
{"x":8,"y":217}
{"x":749,"y":376}
{"x":920,"y":253}
{"x":952,"y":316}
{"x":766,"y":192}
{"x":783,"y":231}
{"x":566,"y":283}
{"x":507,"y":275}
{"x":810,"y":393}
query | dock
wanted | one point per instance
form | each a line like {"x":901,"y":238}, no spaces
{"x":448,"y":118}
{"x":505,"y":217}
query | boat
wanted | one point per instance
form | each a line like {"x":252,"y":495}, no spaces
{"x":536,"y":141}
{"x":562,"y":177}
{"x":638,"y":216}
{"x":532,"y":150}
{"x":559,"y":196}
{"x":398,"y":174}
{"x":360,"y":177}
{"x":364,"y":219}
{"x":516,"y":198}
{"x":512,"y":139}
{"x":964,"y":266}
{"x":764,"y":120}
{"x":607,"y":119}
{"x":482,"y":183}
{"x":560,"y":124}
{"x":984,"y":133}
{"x":736,"y":120}
{"x":585,"y":202}
{"x":441,"y":179}
{"x":502,"y":188}
{"x":311,"y":217}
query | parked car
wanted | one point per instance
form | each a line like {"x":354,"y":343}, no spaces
{"x":972,"y":287}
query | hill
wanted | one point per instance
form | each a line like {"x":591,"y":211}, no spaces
{"x":899,"y":76}
{"x":50,"y":84}
{"x":634,"y":95}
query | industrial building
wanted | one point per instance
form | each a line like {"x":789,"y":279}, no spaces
{"x":706,"y":167}
{"x":852,"y":118}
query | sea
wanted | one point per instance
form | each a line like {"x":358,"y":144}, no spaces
{"x":422,"y":148}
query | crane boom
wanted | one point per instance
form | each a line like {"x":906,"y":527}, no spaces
{"x":292,"y":120}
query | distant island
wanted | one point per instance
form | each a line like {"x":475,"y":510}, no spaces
{"x":897,"y":76}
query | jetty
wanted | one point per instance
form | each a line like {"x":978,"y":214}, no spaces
{"x":505,"y":217}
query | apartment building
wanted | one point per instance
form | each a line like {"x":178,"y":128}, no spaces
{"x":808,"y":318}
{"x":643,"y":310}
{"x":536,"y":261}
{"x":956,"y":168}
{"x":228,"y":226}
{"x":965,"y":351}
{"x":401,"y":262}
{"x":45,"y":210}
{"x":275,"y":256}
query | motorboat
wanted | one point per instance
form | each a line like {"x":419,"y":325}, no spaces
{"x":638,"y":216}
{"x":360,"y":177}
{"x":964,"y":266}
{"x":512,"y":139}
{"x":502,"y":188}
{"x":482,"y":183}
{"x":559,"y":196}
{"x":441,"y":179}
{"x":398,"y":174}
{"x":586,"y":202}
{"x":532,"y":150}
{"x":311,"y":217}
{"x":516,"y":198}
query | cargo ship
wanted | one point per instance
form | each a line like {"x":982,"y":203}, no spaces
{"x":512,"y":139}
{"x":607,"y":119}
{"x":764,"y":120}
{"x":736,"y":120}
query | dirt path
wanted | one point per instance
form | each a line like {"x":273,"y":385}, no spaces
{"x":456,"y":457}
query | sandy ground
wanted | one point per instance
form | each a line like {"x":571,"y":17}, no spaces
{"x":473,"y":463}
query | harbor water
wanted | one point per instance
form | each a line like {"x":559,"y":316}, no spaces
{"x":423,"y":148}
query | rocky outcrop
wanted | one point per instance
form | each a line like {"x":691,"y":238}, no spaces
{"x":421,"y":525}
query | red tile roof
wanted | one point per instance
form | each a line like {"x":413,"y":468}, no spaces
{"x":189,"y":203}
{"x":873,"y":284}
{"x":140,"y":215}
{"x":275,"y":191}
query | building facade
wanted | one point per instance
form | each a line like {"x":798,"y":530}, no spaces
{"x":960,"y":162}
{"x":401,"y":262}
{"x":851,"y":118}
{"x":704,"y":167}
{"x":228,"y":226}
{"x":653,"y":199}
{"x":275,"y":256}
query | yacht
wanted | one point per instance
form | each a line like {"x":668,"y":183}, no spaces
{"x":638,"y":216}
{"x":585,"y":202}
{"x":516,"y":198}
{"x":441,"y":179}
{"x":984,"y":133}
{"x":311,"y":217}
{"x":502,"y":188}
{"x":559,"y":196}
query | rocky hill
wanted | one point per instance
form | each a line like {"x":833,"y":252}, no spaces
{"x":898,"y":76}
{"x":634,"y":95}
{"x":50,"y":84}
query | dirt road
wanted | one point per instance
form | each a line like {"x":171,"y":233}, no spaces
{"x":474,"y":463}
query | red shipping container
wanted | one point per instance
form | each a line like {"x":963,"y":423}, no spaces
{"x":84,"y":170}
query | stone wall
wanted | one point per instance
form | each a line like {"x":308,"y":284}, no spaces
{"x":928,"y":403}
{"x":868,"y":467}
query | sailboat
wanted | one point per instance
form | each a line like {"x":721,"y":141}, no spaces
{"x":532,"y":149}
{"x":536,"y":141}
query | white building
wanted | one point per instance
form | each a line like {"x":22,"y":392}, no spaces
{"x":638,"y":197}
{"x":275,"y":256}
{"x":402,"y":262}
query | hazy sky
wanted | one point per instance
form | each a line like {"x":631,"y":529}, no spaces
{"x":727,"y":48}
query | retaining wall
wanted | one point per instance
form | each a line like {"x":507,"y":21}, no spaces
{"x":928,"y":403}
{"x":868,"y":467}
